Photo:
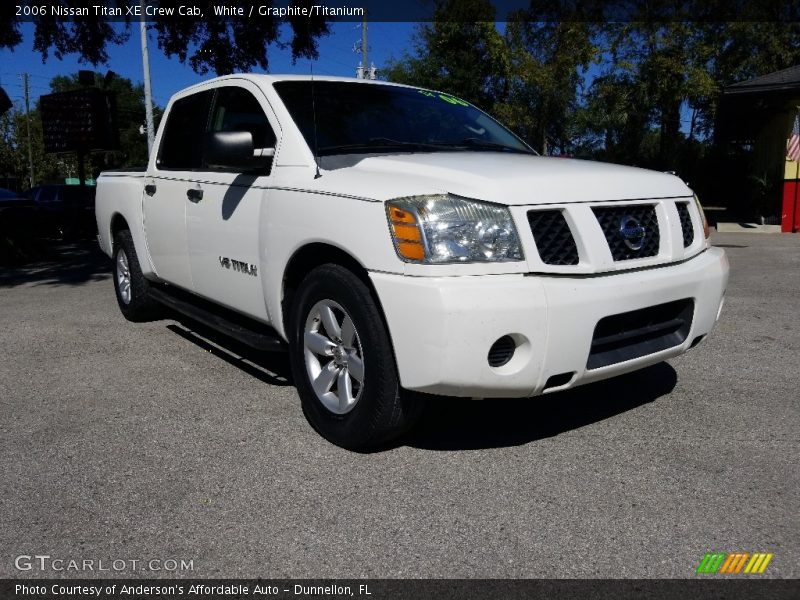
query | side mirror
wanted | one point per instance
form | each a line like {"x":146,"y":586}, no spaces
{"x":234,"y":150}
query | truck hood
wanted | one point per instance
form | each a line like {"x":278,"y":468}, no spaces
{"x":513,"y":179}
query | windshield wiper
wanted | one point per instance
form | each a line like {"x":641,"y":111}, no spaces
{"x":379,"y":142}
{"x":474,"y":143}
{"x":470,"y":143}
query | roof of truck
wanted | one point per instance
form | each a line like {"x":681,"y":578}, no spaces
{"x":272,"y":78}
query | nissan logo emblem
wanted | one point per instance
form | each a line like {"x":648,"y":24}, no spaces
{"x":632,"y":232}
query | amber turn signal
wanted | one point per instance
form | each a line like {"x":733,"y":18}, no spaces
{"x":406,"y":234}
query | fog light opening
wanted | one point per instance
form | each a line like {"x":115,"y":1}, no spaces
{"x":502,"y":351}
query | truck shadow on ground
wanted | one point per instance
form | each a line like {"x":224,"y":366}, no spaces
{"x":462,"y":424}
{"x":58,"y":263}
{"x":269,"y":367}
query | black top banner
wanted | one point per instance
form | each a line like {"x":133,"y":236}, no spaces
{"x":409,"y":10}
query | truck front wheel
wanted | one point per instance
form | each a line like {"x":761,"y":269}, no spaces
{"x":342,"y":362}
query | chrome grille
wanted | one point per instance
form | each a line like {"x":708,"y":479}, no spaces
{"x":631,"y":231}
{"x":553,"y":237}
{"x":686,"y":223}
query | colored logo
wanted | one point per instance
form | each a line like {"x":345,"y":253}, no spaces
{"x":632,"y":232}
{"x":446,"y":97}
{"x":737,"y":562}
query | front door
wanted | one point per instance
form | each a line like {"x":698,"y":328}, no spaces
{"x":223,"y":220}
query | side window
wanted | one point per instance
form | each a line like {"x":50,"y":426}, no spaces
{"x":182,"y":142}
{"x":236,"y":109}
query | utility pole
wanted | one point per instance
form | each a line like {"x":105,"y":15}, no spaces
{"x":28,"y":124}
{"x":148,"y":97}
{"x":364,"y":46}
{"x":364,"y":70}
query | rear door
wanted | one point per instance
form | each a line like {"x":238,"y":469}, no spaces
{"x":169,"y":187}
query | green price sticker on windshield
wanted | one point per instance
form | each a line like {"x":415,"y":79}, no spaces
{"x":447,"y":98}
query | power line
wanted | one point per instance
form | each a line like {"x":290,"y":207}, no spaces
{"x":29,"y":75}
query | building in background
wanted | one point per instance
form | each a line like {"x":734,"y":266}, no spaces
{"x":755,"y":119}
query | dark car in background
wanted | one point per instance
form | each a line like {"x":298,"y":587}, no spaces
{"x":64,"y":211}
{"x":16,"y":212}
{"x":18,"y":228}
{"x":7,"y":196}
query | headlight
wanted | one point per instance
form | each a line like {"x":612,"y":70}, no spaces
{"x":447,"y":229}
{"x":706,"y":230}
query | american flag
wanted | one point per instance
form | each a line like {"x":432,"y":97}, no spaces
{"x":793,"y":143}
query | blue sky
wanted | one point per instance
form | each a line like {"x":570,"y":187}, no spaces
{"x":168,"y":75}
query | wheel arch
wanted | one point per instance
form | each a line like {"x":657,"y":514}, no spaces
{"x":118,"y":223}
{"x":313,"y":255}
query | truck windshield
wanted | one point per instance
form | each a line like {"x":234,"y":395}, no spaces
{"x":362,"y":118}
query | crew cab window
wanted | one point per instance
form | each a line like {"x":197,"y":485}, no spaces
{"x":182,"y":142}
{"x":236,"y":109}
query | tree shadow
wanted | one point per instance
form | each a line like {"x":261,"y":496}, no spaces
{"x":462,"y":424}
{"x":59,"y":263}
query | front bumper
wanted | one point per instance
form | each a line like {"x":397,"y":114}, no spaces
{"x":442,"y":327}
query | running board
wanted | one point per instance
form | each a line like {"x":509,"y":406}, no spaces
{"x":243,"y":329}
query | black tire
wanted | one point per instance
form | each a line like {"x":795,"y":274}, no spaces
{"x":138,"y":306}
{"x":382,"y":411}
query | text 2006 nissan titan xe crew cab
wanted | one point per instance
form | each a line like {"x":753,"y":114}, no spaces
{"x":399,"y":241}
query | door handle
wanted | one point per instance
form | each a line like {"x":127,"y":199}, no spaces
{"x":150,"y":189}
{"x":194,"y":194}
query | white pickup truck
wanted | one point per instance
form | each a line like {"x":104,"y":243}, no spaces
{"x":398,"y":241}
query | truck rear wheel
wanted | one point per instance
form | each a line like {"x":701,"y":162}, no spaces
{"x":129,"y":284}
{"x":343,"y":364}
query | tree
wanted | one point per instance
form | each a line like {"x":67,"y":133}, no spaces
{"x":730,"y":52}
{"x":648,"y":64}
{"x":208,"y":44}
{"x":527,"y":77}
{"x":613,"y":122}
{"x":548,"y":60}
{"x":460,"y":52}
{"x":14,"y":163}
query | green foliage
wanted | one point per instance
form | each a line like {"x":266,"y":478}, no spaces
{"x":527,"y":77}
{"x":14,"y":150}
{"x":643,"y":91}
{"x":460,"y":50}
{"x":548,"y":60}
